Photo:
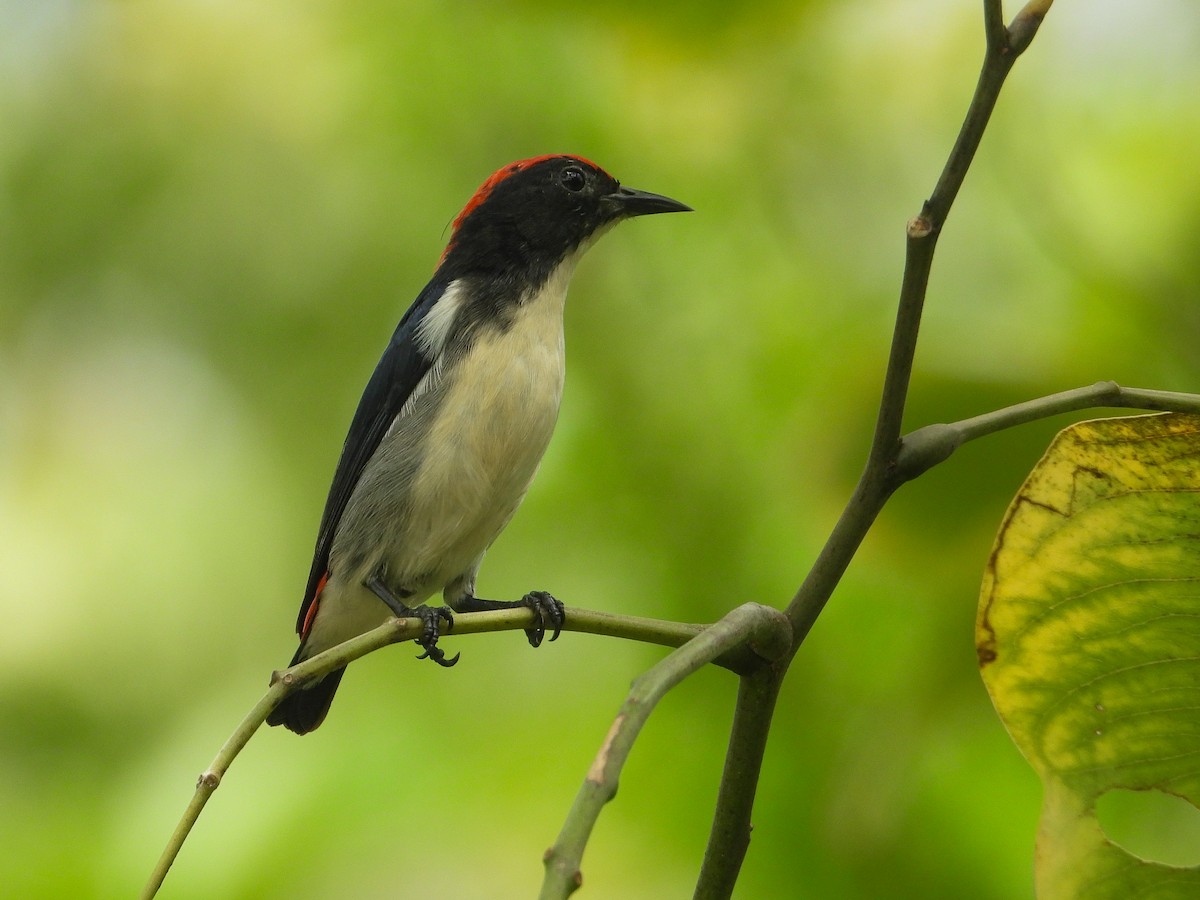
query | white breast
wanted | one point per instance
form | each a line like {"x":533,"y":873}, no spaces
{"x":485,"y":444}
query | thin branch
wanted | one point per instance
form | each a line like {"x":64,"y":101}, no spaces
{"x":924,"y":229}
{"x":1099,"y":395}
{"x":209,"y":781}
{"x":1004,"y":46}
{"x":730,"y":833}
{"x":764,"y":627}
{"x":729,"y":837}
{"x":993,"y":24}
{"x":879,"y":480}
{"x":922,"y":240}
{"x":282,"y":684}
{"x":933,"y":444}
{"x":740,"y":659}
{"x":865,"y":504}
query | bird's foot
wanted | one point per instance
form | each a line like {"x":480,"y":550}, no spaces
{"x":548,"y":612}
{"x":431,"y":622}
{"x":431,"y":619}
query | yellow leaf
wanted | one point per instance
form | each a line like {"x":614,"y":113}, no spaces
{"x":1088,"y":635}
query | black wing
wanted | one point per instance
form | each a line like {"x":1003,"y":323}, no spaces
{"x":397,"y":375}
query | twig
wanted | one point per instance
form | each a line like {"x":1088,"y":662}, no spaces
{"x":209,"y":781}
{"x":740,"y":659}
{"x":729,"y":837}
{"x":1101,"y":394}
{"x":282,"y":684}
{"x":762,"y":626}
{"x":755,"y":708}
{"x":923,"y":230}
{"x":993,"y":24}
{"x":878,"y":480}
{"x":928,"y":446}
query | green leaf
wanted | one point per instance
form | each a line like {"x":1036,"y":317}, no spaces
{"x":1088,"y":635}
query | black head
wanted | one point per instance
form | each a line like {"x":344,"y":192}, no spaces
{"x":533,"y":213}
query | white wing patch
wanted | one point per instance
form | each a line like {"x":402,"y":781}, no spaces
{"x":431,"y":336}
{"x":435,"y":328}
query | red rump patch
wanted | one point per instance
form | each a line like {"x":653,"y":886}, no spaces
{"x":511,"y":169}
{"x":312,"y":607}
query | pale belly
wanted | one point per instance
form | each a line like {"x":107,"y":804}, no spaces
{"x":446,"y":480}
{"x":485,"y":447}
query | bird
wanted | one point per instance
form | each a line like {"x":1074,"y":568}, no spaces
{"x":453,"y":423}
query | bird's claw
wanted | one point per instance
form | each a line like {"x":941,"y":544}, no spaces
{"x":549,"y":612}
{"x":431,"y":631}
{"x":438,"y":655}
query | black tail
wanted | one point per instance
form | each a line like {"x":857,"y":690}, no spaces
{"x":303,"y":710}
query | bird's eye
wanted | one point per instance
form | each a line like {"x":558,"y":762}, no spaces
{"x":573,"y":179}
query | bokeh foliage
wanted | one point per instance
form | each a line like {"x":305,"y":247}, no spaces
{"x":211,"y":215}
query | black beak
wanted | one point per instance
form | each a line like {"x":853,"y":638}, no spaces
{"x":625,"y":203}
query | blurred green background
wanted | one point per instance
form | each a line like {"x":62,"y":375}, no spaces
{"x":211,"y":216}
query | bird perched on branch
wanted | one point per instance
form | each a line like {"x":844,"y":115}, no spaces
{"x":455,"y":419}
